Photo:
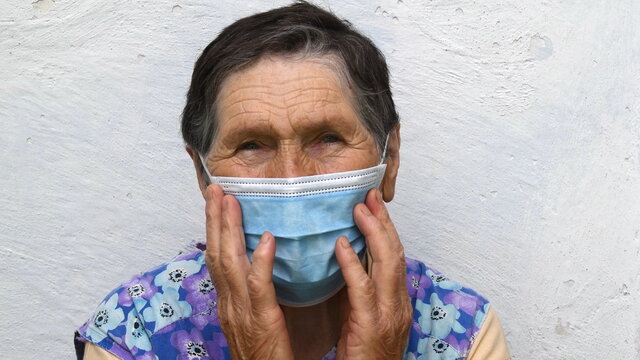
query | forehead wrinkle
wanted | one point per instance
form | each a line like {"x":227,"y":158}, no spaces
{"x":258,"y":101}
{"x":248,"y":127}
{"x":241,"y":102}
{"x":326,"y":94}
{"x":262,"y":82}
{"x":230,"y":92}
{"x":322,"y":93}
{"x":280,"y":83}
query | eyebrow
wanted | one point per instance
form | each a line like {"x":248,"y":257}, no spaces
{"x":263,"y":128}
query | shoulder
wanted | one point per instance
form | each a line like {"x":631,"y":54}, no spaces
{"x":446,"y":315}
{"x":166,"y":309}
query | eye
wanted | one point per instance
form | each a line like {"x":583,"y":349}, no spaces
{"x":330,"y":138}
{"x":249,"y":145}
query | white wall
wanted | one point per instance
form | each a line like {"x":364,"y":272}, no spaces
{"x":520,"y":170}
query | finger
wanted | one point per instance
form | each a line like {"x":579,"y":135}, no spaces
{"x":360,"y":289}
{"x":213,"y":211}
{"x":379,"y":210}
{"x":388,"y":265}
{"x":261,"y":290}
{"x":233,"y":255}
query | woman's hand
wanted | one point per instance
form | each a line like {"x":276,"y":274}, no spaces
{"x":380,"y":316}
{"x":249,"y":314}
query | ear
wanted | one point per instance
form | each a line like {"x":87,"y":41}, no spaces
{"x":388,"y":186}
{"x":198,"y":166}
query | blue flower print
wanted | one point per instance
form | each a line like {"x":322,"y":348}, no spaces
{"x":436,"y":349}
{"x":409,"y":356}
{"x":438,"y":319}
{"x":443,"y":282}
{"x":478,"y":319}
{"x":166,"y":308}
{"x":107,"y":317}
{"x":175,"y":272}
{"x":137,"y":335}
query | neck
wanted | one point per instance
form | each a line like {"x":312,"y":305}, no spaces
{"x":314,"y":330}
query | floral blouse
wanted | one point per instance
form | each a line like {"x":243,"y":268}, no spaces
{"x":170,"y":313}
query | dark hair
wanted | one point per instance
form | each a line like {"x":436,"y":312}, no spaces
{"x":300,"y":28}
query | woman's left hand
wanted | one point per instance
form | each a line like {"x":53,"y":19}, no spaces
{"x":378,"y":324}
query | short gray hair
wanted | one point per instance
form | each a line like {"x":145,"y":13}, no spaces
{"x":303,"y":31}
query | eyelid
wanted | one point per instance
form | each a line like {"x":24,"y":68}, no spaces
{"x":245,"y":144}
{"x":332,"y":135}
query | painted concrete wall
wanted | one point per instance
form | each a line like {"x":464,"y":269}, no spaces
{"x":520,"y":170}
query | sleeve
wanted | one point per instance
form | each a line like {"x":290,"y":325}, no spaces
{"x":106,"y":329}
{"x":490,"y":343}
{"x":95,"y":352}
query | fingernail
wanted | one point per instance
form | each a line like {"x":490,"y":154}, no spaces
{"x":379,"y":196}
{"x":344,"y":242}
{"x":364,"y":210}
{"x":266,"y":238}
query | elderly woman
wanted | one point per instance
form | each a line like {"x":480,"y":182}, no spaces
{"x":295,"y":140}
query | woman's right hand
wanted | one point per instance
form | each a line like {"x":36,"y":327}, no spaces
{"x":249,"y":314}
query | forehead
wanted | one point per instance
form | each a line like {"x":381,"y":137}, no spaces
{"x":280,"y":88}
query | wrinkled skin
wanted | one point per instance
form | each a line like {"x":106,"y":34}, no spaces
{"x":280,"y":118}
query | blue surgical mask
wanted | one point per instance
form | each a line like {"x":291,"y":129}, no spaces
{"x":306,"y":215}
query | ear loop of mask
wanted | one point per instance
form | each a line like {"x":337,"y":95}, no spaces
{"x":384,"y":151}
{"x":207,"y":178}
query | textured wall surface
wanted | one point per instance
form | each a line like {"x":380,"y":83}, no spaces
{"x":520,"y":170}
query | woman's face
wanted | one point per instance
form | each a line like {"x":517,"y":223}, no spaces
{"x":282,"y":118}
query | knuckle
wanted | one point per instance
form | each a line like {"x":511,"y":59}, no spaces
{"x":407,"y":313}
{"x":210,"y":211}
{"x":217,"y":282}
{"x":210,"y":258}
{"x":400,"y":251}
{"x":226,"y":263}
{"x":254,"y":284}
{"x":367,"y":287}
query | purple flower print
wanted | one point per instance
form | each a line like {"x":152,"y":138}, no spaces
{"x":148,"y":355}
{"x":200,"y":291}
{"x":412,"y":265}
{"x":418,"y":285}
{"x":464,"y":302}
{"x":206,"y":318}
{"x":461,"y":345}
{"x":190,"y":255}
{"x":137,"y":288}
